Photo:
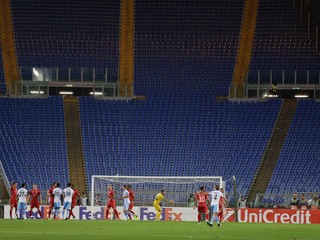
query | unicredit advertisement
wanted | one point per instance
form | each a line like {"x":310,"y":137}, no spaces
{"x":252,"y":215}
{"x":259,"y":215}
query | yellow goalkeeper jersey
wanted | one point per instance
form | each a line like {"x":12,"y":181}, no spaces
{"x":158,"y":199}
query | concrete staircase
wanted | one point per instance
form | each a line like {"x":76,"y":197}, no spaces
{"x":244,"y":51}
{"x":273,"y":149}
{"x":74,"y":142}
{"x":7,"y":44}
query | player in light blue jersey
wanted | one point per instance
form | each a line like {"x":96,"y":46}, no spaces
{"x":57,"y":197}
{"x":67,"y":193}
{"x":23,"y":198}
{"x":215,"y":199}
{"x":126,"y":202}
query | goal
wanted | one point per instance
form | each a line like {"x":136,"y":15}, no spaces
{"x":181,"y":189}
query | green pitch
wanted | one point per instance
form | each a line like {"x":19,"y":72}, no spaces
{"x":139,"y":230}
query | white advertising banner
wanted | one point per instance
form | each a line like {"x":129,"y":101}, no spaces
{"x":98,"y":213}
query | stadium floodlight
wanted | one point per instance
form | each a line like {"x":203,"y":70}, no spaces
{"x":178,"y":188}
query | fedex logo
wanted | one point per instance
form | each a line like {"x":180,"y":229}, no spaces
{"x":167,"y":214}
{"x":84,"y":214}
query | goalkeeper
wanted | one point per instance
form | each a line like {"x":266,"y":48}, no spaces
{"x":157,"y":203}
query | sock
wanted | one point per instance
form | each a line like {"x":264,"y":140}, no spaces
{"x":63,"y":213}
{"x":107,"y":214}
{"x":72,"y":214}
{"x":212,"y":219}
{"x":49,"y":214}
{"x":132,"y":212}
{"x":30,"y":213}
{"x":67,"y":212}
{"x":23,"y":213}
{"x":116,"y":213}
{"x":217,"y":219}
{"x":207,"y":216}
{"x":126,"y":214}
{"x":10,"y":212}
{"x":39,"y":213}
{"x":158,"y":215}
{"x":199,"y":217}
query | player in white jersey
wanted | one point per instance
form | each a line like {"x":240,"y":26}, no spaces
{"x":215,"y":199}
{"x":67,"y":193}
{"x":126,"y":202}
{"x":57,"y":197}
{"x":23,"y":198}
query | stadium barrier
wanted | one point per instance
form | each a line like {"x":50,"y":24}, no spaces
{"x":250,"y":215}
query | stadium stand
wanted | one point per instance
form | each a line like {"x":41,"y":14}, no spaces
{"x":297,"y":169}
{"x":186,"y":48}
{"x":33,"y":141}
{"x":191,"y":137}
{"x":58,"y":34}
{"x":281,"y":44}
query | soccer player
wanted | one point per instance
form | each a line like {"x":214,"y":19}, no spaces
{"x":222,"y":205}
{"x":131,"y":198}
{"x":157,"y":203}
{"x":215,"y":199}
{"x":23,"y":198}
{"x":126,"y":202}
{"x":201,"y":201}
{"x":67,"y":193}
{"x":75,"y":197}
{"x":13,"y":199}
{"x":111,"y":203}
{"x":50,"y":197}
{"x":57,"y":193}
{"x":34,"y":203}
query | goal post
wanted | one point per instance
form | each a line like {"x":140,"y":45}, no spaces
{"x":180,"y":189}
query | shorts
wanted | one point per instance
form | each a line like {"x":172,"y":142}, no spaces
{"x":22,"y":206}
{"x":215,"y":208}
{"x":111,"y":204}
{"x":57,"y":204}
{"x":67,"y":205}
{"x":131,"y":206}
{"x":202,"y":209}
{"x":126,"y":206}
{"x":14,"y":203}
{"x":34,"y":205}
{"x":157,"y":207}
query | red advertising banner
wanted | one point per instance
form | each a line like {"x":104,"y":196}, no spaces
{"x":261,"y":215}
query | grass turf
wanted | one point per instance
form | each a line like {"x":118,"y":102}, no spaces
{"x":116,"y":230}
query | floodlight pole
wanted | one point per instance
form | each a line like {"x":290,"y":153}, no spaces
{"x":235,"y":198}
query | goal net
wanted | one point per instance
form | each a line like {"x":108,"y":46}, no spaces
{"x":179,"y":189}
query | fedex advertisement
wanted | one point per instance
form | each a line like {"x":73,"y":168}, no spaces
{"x":250,"y":215}
{"x":98,"y":213}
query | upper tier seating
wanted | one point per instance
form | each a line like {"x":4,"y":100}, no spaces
{"x":281,"y":44}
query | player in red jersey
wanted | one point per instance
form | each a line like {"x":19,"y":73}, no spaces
{"x":75,"y":197}
{"x":13,"y":199}
{"x":34,"y":202}
{"x":131,"y":198}
{"x":202,"y":198}
{"x":111,"y":203}
{"x":50,"y":198}
{"x":222,"y":205}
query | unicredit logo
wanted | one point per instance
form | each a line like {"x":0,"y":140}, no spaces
{"x":271,"y":216}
